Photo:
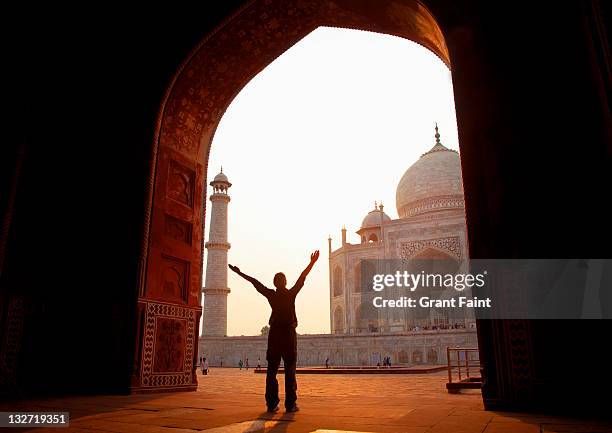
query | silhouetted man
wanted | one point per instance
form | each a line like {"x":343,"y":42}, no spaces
{"x":282,"y":339}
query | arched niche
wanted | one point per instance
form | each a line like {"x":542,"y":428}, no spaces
{"x":338,"y":320}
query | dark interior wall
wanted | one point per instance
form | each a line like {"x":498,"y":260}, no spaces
{"x":532,"y":90}
{"x":87,"y":86}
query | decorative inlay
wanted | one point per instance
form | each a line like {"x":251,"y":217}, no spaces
{"x":432,"y":204}
{"x":176,"y":330}
{"x":518,"y":338}
{"x":11,"y":344}
{"x":451,"y":245}
{"x":178,"y":229}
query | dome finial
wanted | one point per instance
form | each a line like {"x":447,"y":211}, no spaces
{"x":375,"y":205}
{"x":221,"y":169}
{"x":437,"y":134}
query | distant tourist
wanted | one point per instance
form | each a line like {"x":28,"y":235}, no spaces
{"x":204,"y":366}
{"x":240,"y":364}
{"x":326,"y":362}
{"x":247,"y":363}
{"x":282,"y":338}
{"x":258,"y":363}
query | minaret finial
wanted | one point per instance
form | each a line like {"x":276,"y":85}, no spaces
{"x":375,"y":205}
{"x":437,"y":135}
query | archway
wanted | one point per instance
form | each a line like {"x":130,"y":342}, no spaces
{"x":338,"y":281}
{"x":363,"y":268}
{"x":432,"y":356}
{"x":195,"y":100}
{"x":338,"y":320}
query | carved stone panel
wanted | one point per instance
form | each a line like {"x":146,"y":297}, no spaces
{"x":181,"y":183}
{"x":450,"y":245}
{"x":178,"y":229}
{"x":175,"y":279}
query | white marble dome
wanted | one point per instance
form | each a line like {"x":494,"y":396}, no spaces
{"x":221,"y":177}
{"x":433,"y":183}
{"x":375,"y":218}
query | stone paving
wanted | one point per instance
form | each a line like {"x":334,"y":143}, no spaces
{"x":231,"y":401}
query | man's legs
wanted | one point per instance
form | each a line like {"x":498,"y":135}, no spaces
{"x":290,"y":382}
{"x":272,"y":399}
{"x":273,"y":356}
{"x":290,"y":360}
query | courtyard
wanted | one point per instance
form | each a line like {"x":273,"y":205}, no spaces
{"x":229,"y":400}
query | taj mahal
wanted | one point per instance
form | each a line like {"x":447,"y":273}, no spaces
{"x":431,"y":225}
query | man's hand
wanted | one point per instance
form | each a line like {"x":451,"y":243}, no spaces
{"x":258,"y":286}
{"x":314,"y":257}
{"x":300,"y":282}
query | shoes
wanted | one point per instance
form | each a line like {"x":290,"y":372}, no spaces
{"x":293,"y":408}
{"x":273,"y":409}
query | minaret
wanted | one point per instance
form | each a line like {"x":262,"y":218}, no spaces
{"x":215,"y":289}
{"x":331,"y":290}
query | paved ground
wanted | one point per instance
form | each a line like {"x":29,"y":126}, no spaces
{"x":231,"y":401}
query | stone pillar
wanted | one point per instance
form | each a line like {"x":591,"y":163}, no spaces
{"x":214,"y":321}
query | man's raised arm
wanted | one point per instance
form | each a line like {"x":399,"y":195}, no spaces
{"x":300,"y":282}
{"x":258,"y":286}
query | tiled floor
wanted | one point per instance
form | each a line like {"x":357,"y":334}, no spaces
{"x":231,"y":401}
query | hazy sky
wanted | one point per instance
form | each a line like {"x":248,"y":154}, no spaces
{"x":309,"y":144}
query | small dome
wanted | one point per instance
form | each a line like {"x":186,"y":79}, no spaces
{"x":432,"y":183}
{"x":221,"y":177}
{"x":375,"y":218}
